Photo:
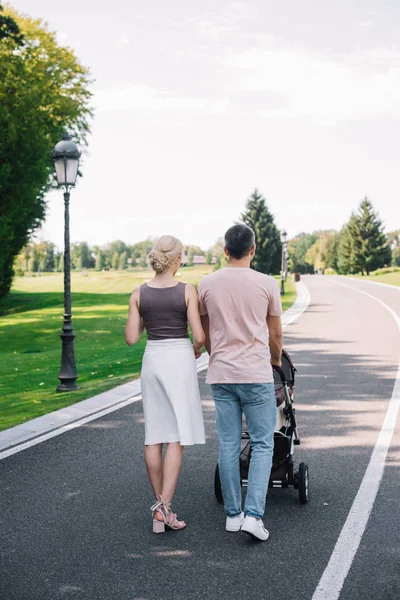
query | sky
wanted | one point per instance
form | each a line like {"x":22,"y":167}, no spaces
{"x":197,"y":103}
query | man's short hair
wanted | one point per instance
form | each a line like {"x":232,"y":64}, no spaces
{"x":239,"y":239}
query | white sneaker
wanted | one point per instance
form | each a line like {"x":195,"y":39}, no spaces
{"x":255,"y":528}
{"x":234,"y":523}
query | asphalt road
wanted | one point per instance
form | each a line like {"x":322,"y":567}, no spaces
{"x":75,"y":519}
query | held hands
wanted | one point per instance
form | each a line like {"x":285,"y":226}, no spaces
{"x":197,"y":351}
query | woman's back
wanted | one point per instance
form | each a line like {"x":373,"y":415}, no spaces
{"x":164,"y":311}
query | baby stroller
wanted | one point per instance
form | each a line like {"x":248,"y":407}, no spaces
{"x":286,"y":437}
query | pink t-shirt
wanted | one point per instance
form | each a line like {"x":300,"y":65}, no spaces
{"x":237,"y":301}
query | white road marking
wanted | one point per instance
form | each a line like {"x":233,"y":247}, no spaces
{"x":300,"y":305}
{"x":333,"y":578}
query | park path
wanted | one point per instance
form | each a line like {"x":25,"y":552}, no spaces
{"x":74,"y":510}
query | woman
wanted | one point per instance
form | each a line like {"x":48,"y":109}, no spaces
{"x":170,"y":392}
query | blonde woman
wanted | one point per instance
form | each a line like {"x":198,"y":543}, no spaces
{"x":170,"y":392}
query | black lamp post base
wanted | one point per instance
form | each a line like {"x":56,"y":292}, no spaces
{"x":68,"y":386}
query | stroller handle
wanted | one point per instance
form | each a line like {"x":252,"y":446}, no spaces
{"x":281,"y":373}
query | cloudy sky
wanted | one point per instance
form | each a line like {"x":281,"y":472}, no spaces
{"x":199,"y":102}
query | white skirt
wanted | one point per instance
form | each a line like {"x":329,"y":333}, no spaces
{"x":170,"y":392}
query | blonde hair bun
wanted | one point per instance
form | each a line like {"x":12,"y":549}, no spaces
{"x":164,"y":253}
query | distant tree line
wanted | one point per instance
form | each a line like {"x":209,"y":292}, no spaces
{"x":42,"y":257}
{"x":360,"y":247}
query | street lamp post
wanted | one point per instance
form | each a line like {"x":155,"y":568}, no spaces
{"x":66,"y":160}
{"x":284,"y":251}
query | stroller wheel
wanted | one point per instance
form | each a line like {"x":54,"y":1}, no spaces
{"x":302,"y":483}
{"x":217,"y":486}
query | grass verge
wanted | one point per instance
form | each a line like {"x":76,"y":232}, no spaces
{"x":393,"y":278}
{"x":30,"y":347}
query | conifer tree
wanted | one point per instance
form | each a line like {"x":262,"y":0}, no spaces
{"x":364,"y":246}
{"x":269,"y":248}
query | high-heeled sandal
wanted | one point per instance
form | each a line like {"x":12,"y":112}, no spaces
{"x":169,"y":518}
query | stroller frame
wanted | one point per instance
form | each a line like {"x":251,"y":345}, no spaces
{"x":283,"y":474}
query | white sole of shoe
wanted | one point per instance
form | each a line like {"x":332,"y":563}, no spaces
{"x":253,"y":536}
{"x":232,"y":530}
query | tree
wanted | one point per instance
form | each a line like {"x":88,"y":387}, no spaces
{"x":32,"y":265}
{"x":209,"y":257}
{"x":346,"y":249}
{"x":115,"y":260}
{"x":43,"y":92}
{"x":45,"y":255}
{"x":140,"y":251}
{"x":394,"y":244}
{"x":60,"y":263}
{"x":81,"y":256}
{"x":122,"y":261}
{"x":323,"y":253}
{"x":298,"y":248}
{"x":219,"y":253}
{"x":269,"y":248}
{"x":85,"y":256}
{"x":189,"y":260}
{"x":363,"y":246}
{"x":9,"y":29}
{"x":99,"y":261}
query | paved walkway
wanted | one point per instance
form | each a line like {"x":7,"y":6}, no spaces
{"x":75,"y":518}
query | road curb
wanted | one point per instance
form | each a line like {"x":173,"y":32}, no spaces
{"x":36,"y":430}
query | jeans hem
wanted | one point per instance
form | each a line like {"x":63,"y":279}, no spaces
{"x":252,"y":514}
{"x":235,"y":515}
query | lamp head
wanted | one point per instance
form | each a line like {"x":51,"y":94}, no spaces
{"x":66,"y":160}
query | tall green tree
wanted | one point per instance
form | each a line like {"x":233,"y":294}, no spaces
{"x":363,"y":245}
{"x":44,"y":90}
{"x":269,"y":248}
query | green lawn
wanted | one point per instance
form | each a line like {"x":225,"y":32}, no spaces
{"x":30,"y":347}
{"x":392,"y":278}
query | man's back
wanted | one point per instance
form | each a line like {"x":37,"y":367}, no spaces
{"x":237,"y":301}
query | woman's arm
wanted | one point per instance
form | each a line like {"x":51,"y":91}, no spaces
{"x":193,"y":316}
{"x":134,"y":325}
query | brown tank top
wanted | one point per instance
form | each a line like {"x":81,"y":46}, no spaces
{"x":164,"y":311}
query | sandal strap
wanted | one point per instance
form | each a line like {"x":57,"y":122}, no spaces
{"x":164,"y":508}
{"x":158,"y":506}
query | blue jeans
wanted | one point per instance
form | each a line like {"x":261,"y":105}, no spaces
{"x":257,"y":401}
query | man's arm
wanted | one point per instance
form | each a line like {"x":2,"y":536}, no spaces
{"x":205,"y":321}
{"x":275,"y":339}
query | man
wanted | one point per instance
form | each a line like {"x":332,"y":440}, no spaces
{"x":241,"y":315}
